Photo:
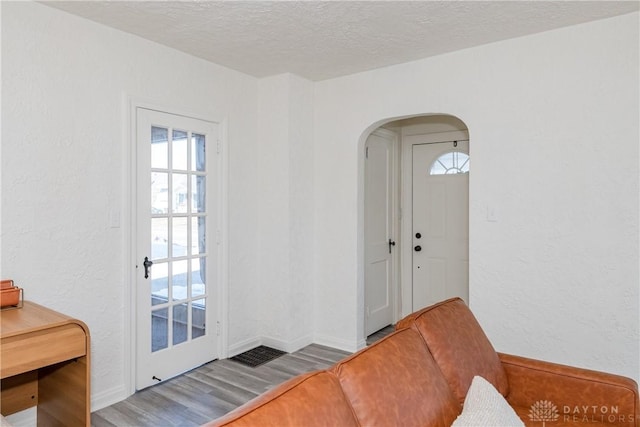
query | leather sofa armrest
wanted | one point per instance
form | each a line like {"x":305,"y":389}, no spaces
{"x":580,"y":395}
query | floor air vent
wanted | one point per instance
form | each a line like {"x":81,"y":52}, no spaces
{"x":257,"y":356}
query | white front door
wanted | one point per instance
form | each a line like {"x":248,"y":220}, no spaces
{"x":176,"y":251}
{"x":440,"y":229}
{"x":379,"y":235}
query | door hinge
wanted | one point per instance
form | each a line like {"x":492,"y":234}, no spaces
{"x":218,"y":147}
{"x":218,"y":328}
{"x":366,"y":153}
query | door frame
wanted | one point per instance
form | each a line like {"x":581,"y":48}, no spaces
{"x":406,"y":203}
{"x":395,"y":223}
{"x":129,"y":230}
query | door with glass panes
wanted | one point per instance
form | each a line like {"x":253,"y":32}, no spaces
{"x":176,"y":255}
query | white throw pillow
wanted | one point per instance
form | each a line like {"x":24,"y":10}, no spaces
{"x":485,"y":406}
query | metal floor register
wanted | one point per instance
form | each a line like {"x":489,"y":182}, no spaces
{"x":258,"y":356}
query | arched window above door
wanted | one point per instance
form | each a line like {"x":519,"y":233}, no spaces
{"x":450,"y":163}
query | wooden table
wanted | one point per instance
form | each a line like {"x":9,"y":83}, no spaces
{"x":44,"y":361}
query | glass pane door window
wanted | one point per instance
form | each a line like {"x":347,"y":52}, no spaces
{"x":178,"y":236}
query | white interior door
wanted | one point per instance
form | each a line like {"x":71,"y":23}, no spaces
{"x":176,"y":247}
{"x":440,"y":222}
{"x":379,"y":236}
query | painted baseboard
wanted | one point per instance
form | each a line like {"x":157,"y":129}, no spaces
{"x":108,"y":397}
{"x":243,"y":346}
{"x":344,"y":345}
{"x":287,"y":346}
{"x":299,"y":343}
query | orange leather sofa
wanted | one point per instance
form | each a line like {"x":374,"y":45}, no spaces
{"x":420,"y":374}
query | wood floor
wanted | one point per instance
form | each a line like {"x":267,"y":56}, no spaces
{"x":214,"y":389}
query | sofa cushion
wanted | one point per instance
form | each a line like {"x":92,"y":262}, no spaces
{"x":485,"y":407}
{"x":459,"y":345}
{"x":312,"y":400}
{"x":396,"y":382}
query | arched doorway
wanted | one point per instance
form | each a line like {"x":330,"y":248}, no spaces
{"x":416,"y":216}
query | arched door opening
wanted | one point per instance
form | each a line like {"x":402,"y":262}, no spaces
{"x":416,"y":216}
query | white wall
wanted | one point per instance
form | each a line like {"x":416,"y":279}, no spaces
{"x":553,"y":123}
{"x":273,"y":134}
{"x":64,"y":165}
{"x":286,"y":217}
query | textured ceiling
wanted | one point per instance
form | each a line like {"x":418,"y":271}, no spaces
{"x":325,"y":39}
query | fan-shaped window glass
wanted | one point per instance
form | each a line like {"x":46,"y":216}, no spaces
{"x":450,"y":163}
